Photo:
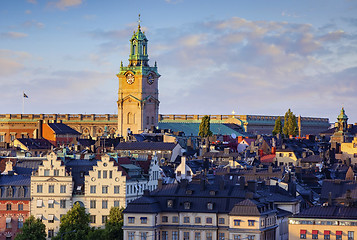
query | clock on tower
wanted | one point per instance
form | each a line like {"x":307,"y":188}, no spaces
{"x":138,"y":95}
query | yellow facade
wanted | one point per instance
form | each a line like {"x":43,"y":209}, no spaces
{"x":349,"y":150}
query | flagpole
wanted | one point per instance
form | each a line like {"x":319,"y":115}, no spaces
{"x":23,"y":102}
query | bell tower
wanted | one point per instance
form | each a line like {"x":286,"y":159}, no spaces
{"x":138,"y":95}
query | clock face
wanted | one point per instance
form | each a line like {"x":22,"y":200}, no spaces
{"x":150,"y":79}
{"x":130,"y":78}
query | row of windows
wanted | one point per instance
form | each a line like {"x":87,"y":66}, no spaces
{"x":326,"y":234}
{"x":188,"y":205}
{"x":20,"y":222}
{"x":104,"y":174}
{"x":51,"y":188}
{"x":10,"y":192}
{"x":93,"y":218}
{"x":51,"y":203}
{"x":46,"y":172}
{"x":318,"y":222}
{"x":164,"y":235}
{"x":93,"y":189}
{"x":9,"y":207}
{"x":237,"y":222}
{"x":93,"y":204}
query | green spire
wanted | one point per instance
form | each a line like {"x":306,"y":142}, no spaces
{"x":342,"y":115}
{"x":138,"y":48}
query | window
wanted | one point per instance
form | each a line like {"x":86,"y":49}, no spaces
{"x":20,"y":207}
{"x":236,"y":222}
{"x":51,"y":203}
{"x":209,"y":206}
{"x":20,"y":223}
{"x":104,"y":204}
{"x":63,"y":189}
{"x":326,"y":235}
{"x":116,"y":203}
{"x":63,"y":203}
{"x":209,"y":220}
{"x":302,"y":234}
{"x":170,"y":203}
{"x":338,"y":235}
{"x":144,"y":220}
{"x":51,"y":188}
{"x":164,"y":219}
{"x":39,"y":188}
{"x":164,"y":235}
{"x":197,"y":235}
{"x":130,"y":235}
{"x":186,"y":236}
{"x":351,"y":235}
{"x":251,"y":237}
{"x":315,"y":234}
{"x":197,"y":220}
{"x":39,"y":203}
{"x":12,"y":137}
{"x":51,"y":233}
{"x":175,"y":219}
{"x":208,"y":235}
{"x":92,"y":218}
{"x":131,"y":219}
{"x":251,"y":222}
{"x":110,"y":174}
{"x":56,"y":172}
{"x":105,"y":174}
{"x":93,"y":189}
{"x":51,"y":218}
{"x":221,"y":220}
{"x":187,"y":205}
{"x":8,"y":222}
{"x":116,"y":189}
{"x":99,"y":174}
{"x":93,"y":203}
{"x":2,"y":138}
{"x":8,"y":207}
{"x":236,"y":237}
{"x":178,"y":173}
{"x":46,"y":172}
{"x":104,"y":219}
{"x":9,"y":192}
{"x":175,"y":235}
{"x":147,"y":120}
{"x":221,"y":236}
{"x":188,"y":173}
{"x":104,"y":189}
{"x":21,"y":192}
{"x":186,"y":219}
{"x":143,"y":235}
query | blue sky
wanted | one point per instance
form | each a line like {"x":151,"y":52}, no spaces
{"x":253,"y":57}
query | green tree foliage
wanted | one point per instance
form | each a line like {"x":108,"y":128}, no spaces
{"x":205,"y":128}
{"x":74,"y":225}
{"x":114,"y":225}
{"x":278,"y":128}
{"x":290,"y":124}
{"x":33,"y":229}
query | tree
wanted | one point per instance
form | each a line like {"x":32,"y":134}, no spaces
{"x":205,"y":128}
{"x":278,"y":128}
{"x":290,"y":124}
{"x":74,"y":225}
{"x":33,"y":229}
{"x":114,"y":225}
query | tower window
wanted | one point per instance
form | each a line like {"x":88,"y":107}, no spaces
{"x":129,"y":118}
{"x":147,"y":120}
{"x":152,"y":120}
{"x":134,"y":49}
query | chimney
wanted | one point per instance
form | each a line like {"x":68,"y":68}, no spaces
{"x":159,"y":183}
{"x":241,"y":182}
{"x":252,"y":186}
{"x":39,"y":129}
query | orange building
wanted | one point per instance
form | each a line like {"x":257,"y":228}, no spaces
{"x":58,"y":133}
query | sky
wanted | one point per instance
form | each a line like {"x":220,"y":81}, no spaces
{"x":252,"y":57}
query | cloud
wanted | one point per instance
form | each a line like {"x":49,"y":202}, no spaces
{"x":28,"y":11}
{"x":33,"y":23}
{"x":64,"y":4}
{"x":11,"y":62}
{"x":32,"y":1}
{"x":13,"y":35}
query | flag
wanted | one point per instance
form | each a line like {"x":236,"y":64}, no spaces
{"x":25,"y":96}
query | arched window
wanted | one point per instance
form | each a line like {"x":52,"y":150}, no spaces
{"x":129,"y":118}
{"x":144,"y":49}
{"x":152,"y":120}
{"x":134,"y":49}
{"x":9,"y":192}
{"x":147,"y":120}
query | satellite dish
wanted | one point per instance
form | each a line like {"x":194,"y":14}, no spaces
{"x":233,"y":135}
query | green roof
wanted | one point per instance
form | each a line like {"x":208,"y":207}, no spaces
{"x":190,"y":128}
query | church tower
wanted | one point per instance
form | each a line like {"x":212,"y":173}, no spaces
{"x":138,"y":95}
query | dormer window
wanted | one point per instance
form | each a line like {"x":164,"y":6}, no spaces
{"x":189,"y":192}
{"x":210,"y":206}
{"x":187,"y":205}
{"x":21,"y":192}
{"x":212,"y":193}
{"x":170,"y":203}
{"x":9,"y":192}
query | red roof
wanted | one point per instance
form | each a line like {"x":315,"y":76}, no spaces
{"x":268,"y":158}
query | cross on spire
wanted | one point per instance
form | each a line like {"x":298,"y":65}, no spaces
{"x":139,"y":21}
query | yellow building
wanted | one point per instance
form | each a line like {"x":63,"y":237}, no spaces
{"x":349,"y":150}
{"x":286,"y":157}
{"x":330,"y":222}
